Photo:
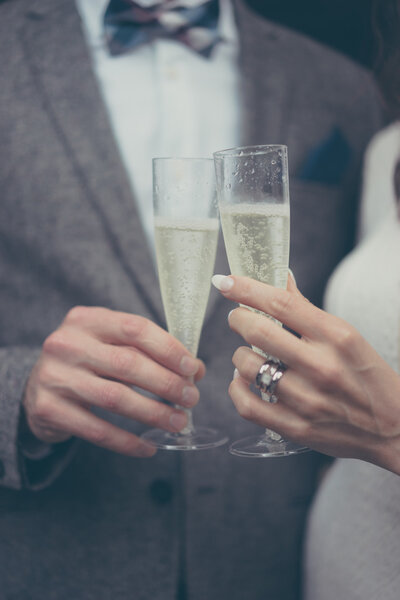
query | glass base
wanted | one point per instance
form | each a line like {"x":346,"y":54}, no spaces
{"x":199,"y":438}
{"x":265,"y":447}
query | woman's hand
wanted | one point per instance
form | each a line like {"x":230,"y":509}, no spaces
{"x":93,"y":359}
{"x":337,"y":396}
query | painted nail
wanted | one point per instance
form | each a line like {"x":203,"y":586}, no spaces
{"x":292,"y":276}
{"x":190,"y":395}
{"x":188,"y":365}
{"x":223,"y":283}
{"x":178,"y":420}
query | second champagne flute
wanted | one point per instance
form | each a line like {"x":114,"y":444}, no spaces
{"x":186,"y":229}
{"x":253,"y":190}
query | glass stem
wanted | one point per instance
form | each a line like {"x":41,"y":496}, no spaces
{"x":272,"y":435}
{"x":188,"y":412}
{"x":189,"y":427}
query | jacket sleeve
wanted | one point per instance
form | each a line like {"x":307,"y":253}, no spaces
{"x":25,"y":461}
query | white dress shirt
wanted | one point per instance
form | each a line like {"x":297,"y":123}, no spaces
{"x":164,"y":99}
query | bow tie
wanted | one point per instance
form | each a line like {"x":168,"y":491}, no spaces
{"x":129,"y":24}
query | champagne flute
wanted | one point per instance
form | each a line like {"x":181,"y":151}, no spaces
{"x":186,"y":227}
{"x":253,"y":193}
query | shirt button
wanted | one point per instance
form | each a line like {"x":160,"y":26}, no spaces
{"x":2,"y":470}
{"x":161,"y":491}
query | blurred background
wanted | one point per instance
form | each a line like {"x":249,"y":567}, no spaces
{"x":342,"y":24}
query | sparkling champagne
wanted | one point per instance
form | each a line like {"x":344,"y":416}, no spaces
{"x":185,"y":250}
{"x":257,"y":240}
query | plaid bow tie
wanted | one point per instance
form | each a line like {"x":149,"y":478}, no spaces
{"x":129,"y":24}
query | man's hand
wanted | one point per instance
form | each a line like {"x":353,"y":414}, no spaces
{"x":93,"y":359}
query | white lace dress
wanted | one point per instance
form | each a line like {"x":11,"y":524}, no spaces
{"x":352,"y":549}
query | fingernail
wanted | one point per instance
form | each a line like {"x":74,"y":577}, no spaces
{"x":190,"y":395}
{"x":236,"y":374}
{"x":188,"y":365}
{"x":292,"y":276}
{"x":223,"y":283}
{"x":178,"y":421}
{"x":229,"y":313}
{"x":146,"y":450}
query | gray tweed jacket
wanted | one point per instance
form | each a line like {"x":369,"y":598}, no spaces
{"x":93,"y":525}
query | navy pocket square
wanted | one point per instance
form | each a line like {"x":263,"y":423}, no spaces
{"x":327,"y":163}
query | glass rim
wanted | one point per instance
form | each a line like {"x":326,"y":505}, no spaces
{"x":181,"y":158}
{"x":245,"y":151}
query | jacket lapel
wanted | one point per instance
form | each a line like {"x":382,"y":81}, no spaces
{"x":264,"y":60}
{"x":71,"y":97}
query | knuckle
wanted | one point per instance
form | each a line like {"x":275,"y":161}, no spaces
{"x":264,"y":330}
{"x":385,"y":427}
{"x":44,"y":374}
{"x":77,"y":315}
{"x":47,"y":376}
{"x":56,"y":343}
{"x":98,"y":435}
{"x":299,"y":431}
{"x":42,"y":409}
{"x":170,"y":385}
{"x":323,"y":410}
{"x":281,"y":303}
{"x":158,"y":415}
{"x":231,"y":391}
{"x":109,"y":396}
{"x":248,"y":367}
{"x":122,"y":361}
{"x":256,"y":334}
{"x":346,"y":338}
{"x":317,"y":409}
{"x":129,"y":445}
{"x":237,"y":356}
{"x":170,"y":349}
{"x":135,"y":326}
{"x":305,"y":408}
{"x":313,"y":409}
{"x":246,"y":294}
{"x":330,"y":374}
